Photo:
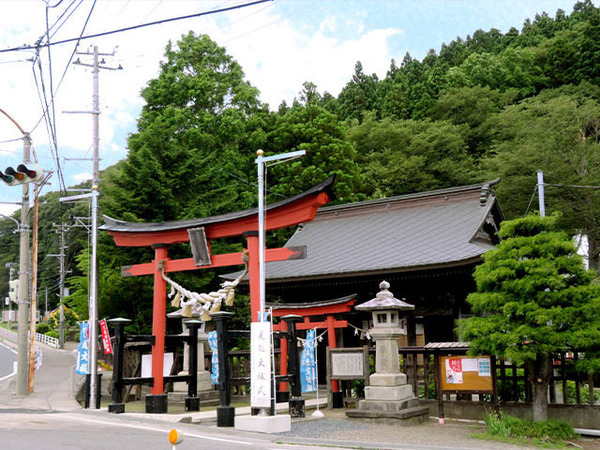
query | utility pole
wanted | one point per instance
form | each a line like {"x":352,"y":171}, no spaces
{"x":540,"y":177}
{"x":61,"y":287}
{"x":61,"y":283}
{"x":22,"y":314}
{"x":93,"y":297}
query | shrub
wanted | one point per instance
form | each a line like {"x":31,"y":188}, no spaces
{"x":53,"y":333}
{"x":508,"y":426}
{"x":42,"y":328}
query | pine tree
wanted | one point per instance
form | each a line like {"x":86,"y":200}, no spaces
{"x":534,"y":298}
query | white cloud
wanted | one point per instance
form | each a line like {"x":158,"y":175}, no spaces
{"x":82,"y":176}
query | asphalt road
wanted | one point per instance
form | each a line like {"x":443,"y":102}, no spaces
{"x":27,"y":430}
{"x":7,"y":359}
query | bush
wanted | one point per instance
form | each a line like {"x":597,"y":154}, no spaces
{"x":549,"y":431}
{"x":42,"y":328}
{"x":53,"y":333}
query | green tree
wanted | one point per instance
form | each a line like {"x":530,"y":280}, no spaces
{"x":557,"y":132}
{"x":197,"y":138}
{"x":311,"y":127}
{"x":404,"y":156}
{"x":534,"y":298}
{"x":359,"y":95}
{"x":513,"y":69}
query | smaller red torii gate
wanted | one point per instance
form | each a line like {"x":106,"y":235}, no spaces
{"x":285,"y":213}
{"x":328,"y":308}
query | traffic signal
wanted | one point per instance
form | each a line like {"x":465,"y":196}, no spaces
{"x":22,"y":174}
{"x":13,"y":290}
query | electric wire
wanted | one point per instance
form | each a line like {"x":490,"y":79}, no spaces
{"x":54,"y":143}
{"x":531,"y":200}
{"x":135,"y":27}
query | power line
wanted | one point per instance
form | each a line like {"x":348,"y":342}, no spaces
{"x":134,"y":27}
{"x":50,"y":122}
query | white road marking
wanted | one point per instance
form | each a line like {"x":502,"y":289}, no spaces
{"x":148,"y":428}
{"x":14,"y":365}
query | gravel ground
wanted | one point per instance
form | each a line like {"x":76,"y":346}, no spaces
{"x":342,"y":431}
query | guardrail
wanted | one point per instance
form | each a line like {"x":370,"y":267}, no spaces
{"x":48,"y":340}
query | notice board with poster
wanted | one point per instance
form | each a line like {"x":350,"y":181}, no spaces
{"x":467,"y":373}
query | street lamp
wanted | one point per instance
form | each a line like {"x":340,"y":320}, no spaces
{"x":262,"y":162}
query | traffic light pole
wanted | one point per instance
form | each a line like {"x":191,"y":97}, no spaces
{"x":22,"y":314}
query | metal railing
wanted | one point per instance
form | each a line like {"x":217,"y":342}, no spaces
{"x":48,"y":340}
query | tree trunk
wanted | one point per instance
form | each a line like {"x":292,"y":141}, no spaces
{"x":540,"y":372}
{"x":593,"y":253}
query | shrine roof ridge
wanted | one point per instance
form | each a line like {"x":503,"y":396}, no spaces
{"x":412,"y":196}
{"x":112,"y":224}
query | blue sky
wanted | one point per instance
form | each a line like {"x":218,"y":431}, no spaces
{"x":280,"y":45}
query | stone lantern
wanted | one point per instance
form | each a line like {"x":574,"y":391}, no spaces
{"x":388,"y":395}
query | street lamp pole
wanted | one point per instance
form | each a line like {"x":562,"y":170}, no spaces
{"x":262,"y":162}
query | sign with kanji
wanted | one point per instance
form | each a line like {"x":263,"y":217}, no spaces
{"x":82,"y":365}
{"x":454,"y":371}
{"x":105,"y":337}
{"x":308,"y":363}
{"x":214,"y":347}
{"x":260,"y":354}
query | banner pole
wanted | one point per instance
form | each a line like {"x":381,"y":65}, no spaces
{"x":317,"y":413}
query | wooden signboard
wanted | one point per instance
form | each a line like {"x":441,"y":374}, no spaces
{"x":346,"y":364}
{"x":467,"y":373}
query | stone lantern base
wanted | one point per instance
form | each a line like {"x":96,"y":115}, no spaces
{"x":390,"y":398}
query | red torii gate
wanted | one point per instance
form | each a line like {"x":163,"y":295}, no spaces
{"x":326,"y":308}
{"x":293,"y":211}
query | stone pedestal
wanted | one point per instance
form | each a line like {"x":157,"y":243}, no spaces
{"x":264,"y":424}
{"x":203,"y":376}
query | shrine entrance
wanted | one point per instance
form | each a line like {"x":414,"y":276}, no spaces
{"x":326,"y":310}
{"x":199,"y":233}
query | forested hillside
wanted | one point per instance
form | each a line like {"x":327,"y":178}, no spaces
{"x":484,"y":106}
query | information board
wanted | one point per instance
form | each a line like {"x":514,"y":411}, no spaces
{"x":466,"y":373}
{"x":348,"y":363}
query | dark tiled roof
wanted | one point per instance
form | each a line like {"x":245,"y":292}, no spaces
{"x":425,"y":230}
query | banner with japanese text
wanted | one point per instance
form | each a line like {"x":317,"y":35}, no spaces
{"x":214,"y":347}
{"x":308,"y":363}
{"x":83,"y":350}
{"x":105,"y":337}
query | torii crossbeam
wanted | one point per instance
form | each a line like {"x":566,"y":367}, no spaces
{"x":285,"y":213}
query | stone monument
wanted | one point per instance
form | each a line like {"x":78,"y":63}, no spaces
{"x":388,"y":396}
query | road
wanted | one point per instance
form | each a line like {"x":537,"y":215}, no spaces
{"x":7,"y":359}
{"x":28,"y":430}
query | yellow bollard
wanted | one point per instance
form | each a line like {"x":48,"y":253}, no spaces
{"x":175,"y":437}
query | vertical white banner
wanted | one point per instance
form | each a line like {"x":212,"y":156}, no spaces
{"x":260,"y":354}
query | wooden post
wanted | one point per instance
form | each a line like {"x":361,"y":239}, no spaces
{"x":117,"y":406}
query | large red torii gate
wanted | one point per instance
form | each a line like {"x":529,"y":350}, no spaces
{"x":285,"y":213}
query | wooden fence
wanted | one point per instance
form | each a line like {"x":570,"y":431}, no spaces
{"x":419,"y":364}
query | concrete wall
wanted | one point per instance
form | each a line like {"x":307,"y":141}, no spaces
{"x":580,"y":416}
